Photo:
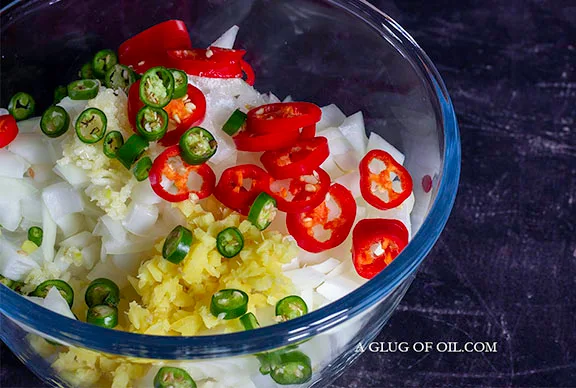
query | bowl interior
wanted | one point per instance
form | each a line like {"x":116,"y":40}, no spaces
{"x":341,"y":52}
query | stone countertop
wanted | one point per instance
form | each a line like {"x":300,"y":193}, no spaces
{"x":504,"y":270}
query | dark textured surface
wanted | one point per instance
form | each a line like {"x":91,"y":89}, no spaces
{"x":505,"y":267}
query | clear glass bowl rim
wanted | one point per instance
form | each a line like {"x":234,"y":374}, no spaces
{"x":225,"y":345}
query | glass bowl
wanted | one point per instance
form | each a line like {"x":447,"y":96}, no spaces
{"x":325,"y":51}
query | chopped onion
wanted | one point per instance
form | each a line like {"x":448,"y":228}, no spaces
{"x":80,"y":240}
{"x":143,"y":194}
{"x":14,"y":265}
{"x":289,"y":98}
{"x":73,"y":107}
{"x":400,"y":213}
{"x":110,"y":228}
{"x":326,"y":266}
{"x":71,"y":224}
{"x":293,"y":264}
{"x":10,"y":214}
{"x":62,"y":199}
{"x":91,"y":255}
{"x":352,"y":182}
{"x":30,"y":125}
{"x":33,"y":148}
{"x":342,"y":151}
{"x":12,"y":165}
{"x":272,"y":98}
{"x":353,"y":130}
{"x":18,"y":189}
{"x":72,"y":174}
{"x":337,"y":287}
{"x":107,"y":269}
{"x":132,"y":245}
{"x":128,"y":262}
{"x":32,"y":208}
{"x":227,"y":39}
{"x":54,"y":301}
{"x":376,"y":142}
{"x":305,"y":277}
{"x":49,"y":230}
{"x":332,"y":116}
{"x":4,"y":111}
{"x":42,"y":174}
{"x":140,"y":218}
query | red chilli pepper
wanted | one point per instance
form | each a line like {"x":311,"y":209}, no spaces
{"x":170,"y":169}
{"x":302,"y":158}
{"x":283,"y":116}
{"x":318,"y":230}
{"x":300,"y":194}
{"x":148,"y":48}
{"x":212,"y":62}
{"x":247,"y":69}
{"x":251,"y":142}
{"x":182,"y":115}
{"x":375,"y":243}
{"x":378,"y":172}
{"x":240,"y":185}
{"x":8,"y":130}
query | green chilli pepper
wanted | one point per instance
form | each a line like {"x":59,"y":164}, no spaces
{"x":112,"y":142}
{"x":86,"y":71}
{"x":102,"y":291}
{"x":157,"y":87}
{"x":263,"y":211}
{"x":59,"y":93}
{"x":197,"y":145}
{"x":180,"y":83}
{"x":103,"y":315}
{"x":170,"y":377}
{"x":35,"y":234}
{"x":91,"y":125}
{"x":65,"y":290}
{"x":235,"y":122}
{"x":152,"y":123}
{"x":84,"y":89}
{"x":291,"y":368}
{"x":119,"y":77}
{"x":103,"y":61}
{"x":132,"y":150}
{"x":291,"y":307}
{"x":230,"y":242}
{"x":142,"y":168}
{"x":229,"y":303}
{"x":55,"y":121}
{"x":177,"y":244}
{"x":21,"y":106}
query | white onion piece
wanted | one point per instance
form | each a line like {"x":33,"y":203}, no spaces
{"x":54,"y":301}
{"x":326,"y":266}
{"x":308,"y":295}
{"x":10,"y":214}
{"x":71,"y":224}
{"x":42,"y":174}
{"x":33,"y":148}
{"x":107,"y":269}
{"x":73,"y":107}
{"x":80,"y":240}
{"x":376,"y":142}
{"x":128,"y":262}
{"x":62,"y":199}
{"x":171,"y":216}
{"x":140,"y":218}
{"x":400,"y":213}
{"x":293,"y":264}
{"x":342,"y":152}
{"x":132,"y":245}
{"x":143,"y":194}
{"x":72,"y":174}
{"x":32,"y":208}
{"x":30,"y":125}
{"x":353,"y":130}
{"x":305,"y":277}
{"x":272,"y":98}
{"x":91,"y":255}
{"x":12,"y":165}
{"x":352,"y":182}
{"x":289,"y":98}
{"x":330,"y":166}
{"x":332,"y":116}
{"x":4,"y":111}
{"x":111,"y":229}
{"x":338,"y":287}
{"x":227,"y":39}
{"x":49,"y":230}
{"x":16,"y":189}
{"x":14,"y":265}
